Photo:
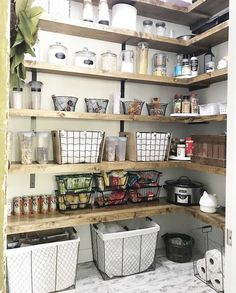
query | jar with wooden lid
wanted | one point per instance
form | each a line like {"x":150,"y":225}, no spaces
{"x":142,"y":58}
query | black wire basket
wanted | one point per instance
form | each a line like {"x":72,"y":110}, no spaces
{"x":110,"y":198}
{"x":132,"y":107}
{"x":146,"y":194}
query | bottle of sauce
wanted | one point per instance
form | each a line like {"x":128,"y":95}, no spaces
{"x":209,"y":61}
{"x":186,"y":105}
{"x":177,"y":103}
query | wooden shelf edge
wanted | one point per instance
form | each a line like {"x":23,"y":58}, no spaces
{"x":84,"y":217}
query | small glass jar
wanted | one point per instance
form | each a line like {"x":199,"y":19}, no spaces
{"x":35,"y":94}
{"x":159,"y":61}
{"x":26,"y":147}
{"x":88,"y":11}
{"x":186,"y":105}
{"x":57,"y":54}
{"x":127,"y":61}
{"x":177,"y":104}
{"x":142,"y":57}
{"x":186,"y":68}
{"x":147,"y":26}
{"x":42,"y":146}
{"x":85,"y":58}
{"x":17,"y":96}
{"x":161,"y":29}
{"x":103,"y":13}
{"x":109,"y":61}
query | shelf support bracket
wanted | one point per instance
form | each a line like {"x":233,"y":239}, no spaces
{"x":122,"y":92}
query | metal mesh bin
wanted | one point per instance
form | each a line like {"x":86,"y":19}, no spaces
{"x":125,"y":253}
{"x":43,"y":268}
{"x":73,"y":147}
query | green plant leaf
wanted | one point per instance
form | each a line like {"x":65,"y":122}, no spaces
{"x":19,"y":39}
{"x":25,"y":27}
{"x":35,"y":18}
{"x":22,"y":5}
{"x":22,"y":71}
{"x":28,"y":49}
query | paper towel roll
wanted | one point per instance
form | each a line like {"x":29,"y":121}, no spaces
{"x":217,"y":281}
{"x":214,"y":261}
{"x":202,"y":271}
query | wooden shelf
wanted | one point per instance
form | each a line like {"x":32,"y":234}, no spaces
{"x":198,"y":44}
{"x":113,"y":117}
{"x":202,"y":80}
{"x":17,"y":168}
{"x":84,"y":217}
{"x":199,"y":11}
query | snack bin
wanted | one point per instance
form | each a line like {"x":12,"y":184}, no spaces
{"x":125,"y":253}
{"x":42,"y":268}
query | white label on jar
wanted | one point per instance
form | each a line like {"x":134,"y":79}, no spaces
{"x":85,"y":62}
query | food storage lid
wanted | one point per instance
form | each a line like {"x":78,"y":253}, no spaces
{"x":184,"y":181}
{"x":108,"y":52}
{"x":163,"y":24}
{"x":147,"y":22}
{"x":35,"y":86}
{"x":143,"y":45}
{"x":58,"y":45}
{"x":85,"y":53}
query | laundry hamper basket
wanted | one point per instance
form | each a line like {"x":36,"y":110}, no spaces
{"x":125,"y":253}
{"x":42,"y":268}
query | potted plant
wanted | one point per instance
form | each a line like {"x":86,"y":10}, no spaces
{"x":23,"y":36}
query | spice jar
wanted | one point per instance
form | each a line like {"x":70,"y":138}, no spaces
{"x":147,"y":26}
{"x":177,"y":103}
{"x":108,"y":61}
{"x":127,"y":61}
{"x":194,"y":100}
{"x":57,"y":54}
{"x":103,"y":13}
{"x":142,"y":58}
{"x":26,"y":147}
{"x":160,"y":29}
{"x":88,"y":11}
{"x":186,"y":105}
{"x":159,"y":61}
{"x":186,"y":68}
{"x":85,"y":58}
{"x":35,"y":94}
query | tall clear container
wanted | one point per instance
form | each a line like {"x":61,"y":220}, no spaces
{"x":26,"y":147}
{"x":42,"y":138}
{"x":159,"y":63}
{"x":110,"y":148}
{"x":9,"y":147}
{"x":35,"y":101}
{"x":121,"y":148}
{"x":17,"y":96}
{"x":127,"y":61}
{"x":142,"y":58}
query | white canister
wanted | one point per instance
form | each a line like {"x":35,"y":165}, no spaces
{"x":85,"y":58}
{"x":127,"y":61}
{"x":208,"y":203}
{"x":57,"y":54}
{"x":124,"y":16}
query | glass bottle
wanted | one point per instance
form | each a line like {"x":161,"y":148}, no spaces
{"x":142,"y":57}
{"x":35,"y":94}
{"x":186,"y":69}
{"x":147,"y":26}
{"x":177,"y":103}
{"x":17,"y":96}
{"x":186,"y":105}
{"x":88,"y":11}
{"x":103,"y":13}
{"x":209,"y":61}
{"x":178,"y":67}
{"x":161,"y":29}
{"x":194,"y":100}
{"x":127,"y":61}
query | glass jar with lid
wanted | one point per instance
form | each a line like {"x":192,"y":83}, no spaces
{"x":57,"y":54}
{"x":142,"y":57}
{"x":35,"y":87}
{"x":127,"y":61}
{"x":161,"y":29}
{"x":85,"y":58}
{"x":177,"y":103}
{"x":147,"y":26}
{"x":109,"y":61}
{"x":159,"y":62}
{"x":186,"y":105}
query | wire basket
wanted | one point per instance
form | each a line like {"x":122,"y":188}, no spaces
{"x":209,"y":109}
{"x":132,"y":107}
{"x":64,"y":103}
{"x":96,"y":105}
{"x":145,"y":194}
{"x":73,"y":147}
{"x":208,"y":265}
{"x":73,"y":201}
{"x":110,"y":198}
{"x":147,"y":178}
{"x":111,"y":180}
{"x":156,"y":109}
{"x":74,"y":183}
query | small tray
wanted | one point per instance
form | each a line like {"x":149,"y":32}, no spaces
{"x":180,"y":158}
{"x":184,"y":115}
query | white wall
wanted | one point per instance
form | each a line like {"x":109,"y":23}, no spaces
{"x":85,"y":87}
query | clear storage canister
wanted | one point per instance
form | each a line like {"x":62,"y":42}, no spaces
{"x":85,"y":58}
{"x":108,"y":61}
{"x":147,"y":26}
{"x":127,"y":61}
{"x":42,"y":146}
{"x":159,"y":62}
{"x":35,"y":94}
{"x":26,"y":147}
{"x":161,"y":29}
{"x":142,"y":58}
{"x":110,"y":148}
{"x":57,"y":54}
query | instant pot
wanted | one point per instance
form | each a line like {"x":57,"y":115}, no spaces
{"x":184,"y":191}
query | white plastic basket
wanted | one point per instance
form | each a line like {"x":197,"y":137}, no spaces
{"x":125,"y":253}
{"x":223,"y":108}
{"x":42,"y":268}
{"x":209,"y":109}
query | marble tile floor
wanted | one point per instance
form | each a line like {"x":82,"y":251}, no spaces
{"x":169,"y":277}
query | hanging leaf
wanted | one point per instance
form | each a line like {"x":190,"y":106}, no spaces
{"x":35,"y":14}
{"x":25,"y":27}
{"x":19,"y":39}
{"x":22,"y":5}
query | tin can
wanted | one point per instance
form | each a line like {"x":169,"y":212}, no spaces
{"x":52,"y":203}
{"x":18,"y":206}
{"x":27,"y":205}
{"x":36,"y":203}
{"x":44,"y":204}
{"x":189,"y":146}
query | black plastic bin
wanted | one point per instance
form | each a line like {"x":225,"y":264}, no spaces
{"x":178,"y":247}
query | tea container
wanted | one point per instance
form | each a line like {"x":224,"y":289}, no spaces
{"x":57,"y":54}
{"x":108,"y":61}
{"x":142,"y":57}
{"x":127,"y":61}
{"x":85,"y":58}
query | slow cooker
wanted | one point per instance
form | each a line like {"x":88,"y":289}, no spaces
{"x":184,"y":191}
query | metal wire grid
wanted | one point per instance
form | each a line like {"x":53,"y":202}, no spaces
{"x":80,"y":146}
{"x":124,"y":256}
{"x":111,"y":197}
{"x":152,"y":146}
{"x":145,"y":194}
{"x":43,"y":270}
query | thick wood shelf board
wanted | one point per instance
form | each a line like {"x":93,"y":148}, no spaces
{"x":83,"y":217}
